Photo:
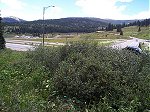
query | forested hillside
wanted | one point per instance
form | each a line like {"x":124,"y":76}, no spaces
{"x":63,"y":25}
{"x":69,"y":25}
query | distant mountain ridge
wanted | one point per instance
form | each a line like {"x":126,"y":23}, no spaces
{"x":113,"y":21}
{"x":62,"y":25}
{"x":12,"y":19}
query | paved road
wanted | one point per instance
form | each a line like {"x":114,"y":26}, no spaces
{"x":132,"y":42}
{"x":22,"y":45}
{"x":19,"y":47}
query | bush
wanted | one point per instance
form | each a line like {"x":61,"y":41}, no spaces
{"x":90,"y":73}
{"x":48,"y":57}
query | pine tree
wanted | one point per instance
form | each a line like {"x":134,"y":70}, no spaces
{"x":109,"y":27}
{"x":2,"y":40}
{"x":121,"y":32}
{"x":139,"y":29}
{"x":118,"y":28}
{"x":138,"y":23}
{"x":123,"y":25}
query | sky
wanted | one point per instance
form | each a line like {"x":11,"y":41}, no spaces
{"x":105,"y":9}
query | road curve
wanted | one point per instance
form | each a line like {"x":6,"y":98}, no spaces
{"x":132,"y":42}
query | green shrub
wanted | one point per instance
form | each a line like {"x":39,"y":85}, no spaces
{"x":90,"y":73}
{"x":48,"y":57}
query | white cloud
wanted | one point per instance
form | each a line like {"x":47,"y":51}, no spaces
{"x":9,"y":12}
{"x":33,"y":15}
{"x":13,"y":8}
{"x":122,"y":8}
{"x":100,"y":8}
{"x":29,"y":12}
{"x":90,"y":8}
{"x":107,"y":9}
{"x":54,"y":13}
{"x":141,"y":15}
{"x":13,"y":4}
{"x":125,"y":0}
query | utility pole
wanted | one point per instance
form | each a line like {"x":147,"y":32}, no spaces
{"x":44,"y":8}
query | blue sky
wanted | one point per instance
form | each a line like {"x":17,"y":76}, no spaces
{"x":110,"y":9}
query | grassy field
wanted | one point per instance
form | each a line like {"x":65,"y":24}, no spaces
{"x":127,"y":31}
{"x":9,"y":56}
{"x":59,"y":40}
{"x":63,"y":38}
{"x":17,"y":81}
{"x":133,"y":31}
{"x":104,"y":35}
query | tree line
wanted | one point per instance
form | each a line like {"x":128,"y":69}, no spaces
{"x":119,"y":27}
{"x":2,"y":40}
